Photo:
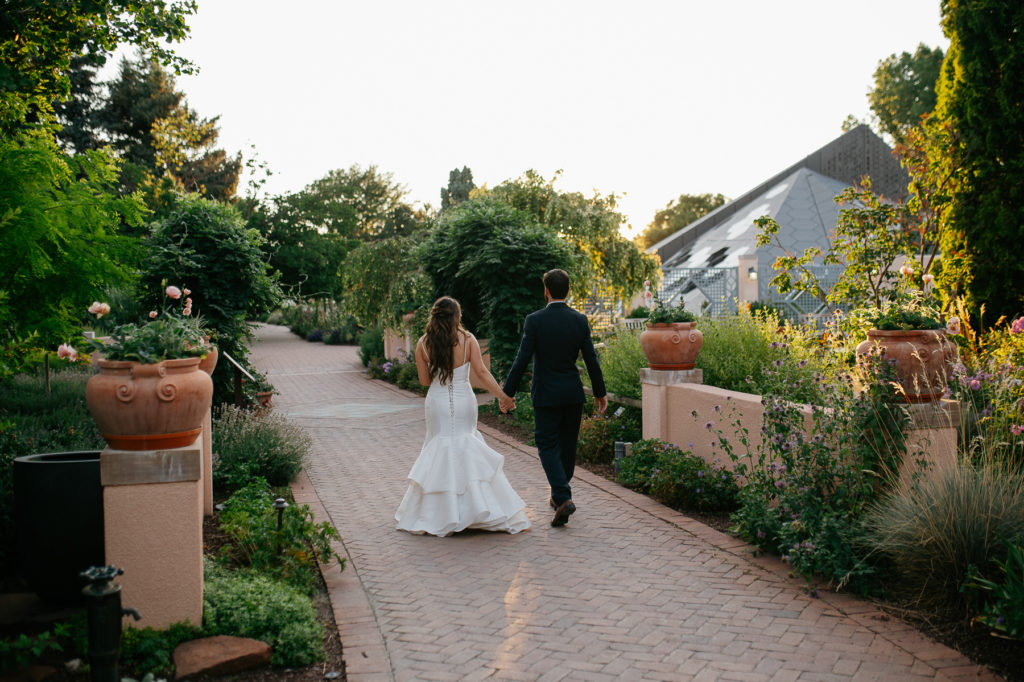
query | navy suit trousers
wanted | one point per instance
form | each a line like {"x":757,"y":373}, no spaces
{"x":556,"y":430}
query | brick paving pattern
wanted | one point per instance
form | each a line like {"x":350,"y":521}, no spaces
{"x":628,"y":590}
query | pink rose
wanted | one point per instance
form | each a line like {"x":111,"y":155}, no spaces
{"x":1018,"y":326}
{"x":66,"y":352}
{"x":99,"y":309}
{"x":173,"y":292}
{"x":188,"y":301}
{"x":953,"y":325}
{"x":152,"y":314}
{"x":187,"y":310}
{"x":186,"y":291}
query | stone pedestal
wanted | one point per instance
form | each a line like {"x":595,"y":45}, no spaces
{"x":932,"y":437}
{"x":207,"y":476}
{"x":153,"y":503}
{"x":654,"y":386}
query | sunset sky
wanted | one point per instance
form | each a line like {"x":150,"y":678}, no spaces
{"x":647,"y":99}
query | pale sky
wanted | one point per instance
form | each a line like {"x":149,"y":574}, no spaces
{"x":640,"y":98}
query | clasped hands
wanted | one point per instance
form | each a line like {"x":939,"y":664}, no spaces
{"x":506,"y":404}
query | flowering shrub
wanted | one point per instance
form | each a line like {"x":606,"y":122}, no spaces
{"x":400,"y":371}
{"x":804,"y":495}
{"x":678,"y":478}
{"x":990,"y":388}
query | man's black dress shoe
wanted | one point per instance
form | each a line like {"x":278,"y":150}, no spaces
{"x":563,"y":512}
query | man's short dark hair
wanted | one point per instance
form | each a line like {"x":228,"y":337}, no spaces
{"x":557,"y":283}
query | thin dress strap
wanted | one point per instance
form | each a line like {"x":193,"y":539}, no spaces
{"x":465,"y":349}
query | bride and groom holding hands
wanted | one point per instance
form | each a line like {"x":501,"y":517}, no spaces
{"x":458,"y":482}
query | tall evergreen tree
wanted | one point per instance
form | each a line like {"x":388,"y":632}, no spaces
{"x":460,"y":183}
{"x":157,"y":135}
{"x":981,"y":97}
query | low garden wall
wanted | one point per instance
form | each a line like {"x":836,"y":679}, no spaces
{"x":670,"y":400}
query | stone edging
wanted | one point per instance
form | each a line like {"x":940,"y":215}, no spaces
{"x":363,"y":647}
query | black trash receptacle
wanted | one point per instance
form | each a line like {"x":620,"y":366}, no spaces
{"x":58,"y":520}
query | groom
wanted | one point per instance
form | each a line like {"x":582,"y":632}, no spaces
{"x":554,"y":337}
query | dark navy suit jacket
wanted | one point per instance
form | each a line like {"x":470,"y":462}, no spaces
{"x":554,"y":337}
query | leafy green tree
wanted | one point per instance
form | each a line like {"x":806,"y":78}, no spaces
{"x":904,"y":90}
{"x":205,"y":246}
{"x":981,"y":97}
{"x":383,"y":280}
{"x":38,"y":39}
{"x":310,"y":233}
{"x":678,"y":214}
{"x":609,"y":265}
{"x":491,"y":257}
{"x":59,"y":243}
{"x":460,"y":184}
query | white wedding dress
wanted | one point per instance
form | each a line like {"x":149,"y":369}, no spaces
{"x":457,"y":482}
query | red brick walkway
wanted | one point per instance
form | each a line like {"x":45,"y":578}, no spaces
{"x":629,"y":590}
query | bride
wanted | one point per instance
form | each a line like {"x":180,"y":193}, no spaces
{"x":457,"y":481}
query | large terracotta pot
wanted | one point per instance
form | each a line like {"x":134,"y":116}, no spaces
{"x":149,"y":406}
{"x":923,"y":360}
{"x":209,"y":363}
{"x":672,"y":345}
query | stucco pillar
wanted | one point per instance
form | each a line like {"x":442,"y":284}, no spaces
{"x":153,"y":504}
{"x":207,"y":474}
{"x":654,"y":385}
{"x":933,"y":438}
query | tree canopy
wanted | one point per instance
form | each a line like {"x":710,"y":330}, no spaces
{"x":39,"y":38}
{"x":460,"y":184}
{"x":311,"y":232}
{"x":678,"y":214}
{"x":150,"y":125}
{"x":904,"y":90}
{"x":491,"y":258}
{"x":59,"y":222}
{"x":608,"y":263}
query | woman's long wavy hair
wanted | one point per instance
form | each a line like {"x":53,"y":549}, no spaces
{"x":443,"y":329}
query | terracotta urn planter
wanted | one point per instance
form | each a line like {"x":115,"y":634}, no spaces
{"x":923,"y":360}
{"x":209,"y":363}
{"x":672,"y":345}
{"x":149,"y":406}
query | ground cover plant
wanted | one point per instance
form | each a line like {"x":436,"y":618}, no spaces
{"x":678,"y":478}
{"x":247,"y":604}
{"x":283,"y":543}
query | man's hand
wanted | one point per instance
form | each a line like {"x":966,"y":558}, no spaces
{"x":602,"y":404}
{"x":505,"y":404}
